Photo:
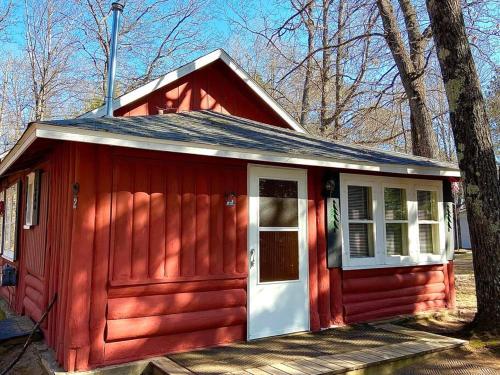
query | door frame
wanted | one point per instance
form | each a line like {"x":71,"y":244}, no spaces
{"x":285,"y":173}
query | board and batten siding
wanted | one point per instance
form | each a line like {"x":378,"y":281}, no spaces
{"x":177,"y":255}
{"x":214,"y":87}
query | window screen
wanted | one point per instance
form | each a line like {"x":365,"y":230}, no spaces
{"x":278,"y":230}
{"x":279,"y":256}
{"x":278,"y":205}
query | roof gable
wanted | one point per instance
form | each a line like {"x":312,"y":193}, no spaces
{"x":231,"y":91}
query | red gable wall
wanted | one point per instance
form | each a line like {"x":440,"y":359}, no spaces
{"x":214,"y":87}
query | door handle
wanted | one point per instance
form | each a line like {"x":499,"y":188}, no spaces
{"x":252,"y":257}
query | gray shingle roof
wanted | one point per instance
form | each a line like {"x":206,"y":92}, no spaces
{"x":215,"y":129}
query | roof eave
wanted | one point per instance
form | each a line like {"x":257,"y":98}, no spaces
{"x":105,"y":138}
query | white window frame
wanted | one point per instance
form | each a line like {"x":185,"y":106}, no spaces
{"x":378,"y":185}
{"x":436,"y":256}
{"x":365,"y":182}
{"x":398,"y":259}
{"x":30,"y":200}
{"x":11,"y":252}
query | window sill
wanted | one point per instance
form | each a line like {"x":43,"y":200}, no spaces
{"x":395,"y":265}
{"x":11,"y":261}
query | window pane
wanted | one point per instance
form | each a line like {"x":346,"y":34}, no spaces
{"x":427,"y":205}
{"x":426,"y":238}
{"x":359,"y":202}
{"x":278,"y":256}
{"x":360,"y":240}
{"x":396,"y":238}
{"x":10,"y":222}
{"x":278,"y":203}
{"x":395,"y":204}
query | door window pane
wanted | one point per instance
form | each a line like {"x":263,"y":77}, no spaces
{"x":361,"y":240}
{"x":278,"y":256}
{"x":359,"y":202}
{"x":278,"y":203}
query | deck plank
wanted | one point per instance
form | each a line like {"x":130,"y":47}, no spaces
{"x":256,"y":371}
{"x":288,"y":369}
{"x":329,"y":365}
{"x":272,"y":370}
{"x":170,"y":367}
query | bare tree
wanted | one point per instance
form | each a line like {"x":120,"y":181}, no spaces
{"x":153,"y":32}
{"x":15,"y":100}
{"x":49,"y":48}
{"x":474,"y":148}
{"x":5,"y":13}
{"x":411,"y":67}
{"x":308,"y":19}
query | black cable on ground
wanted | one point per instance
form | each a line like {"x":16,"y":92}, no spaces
{"x":30,"y":337}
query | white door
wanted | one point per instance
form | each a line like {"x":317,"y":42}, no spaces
{"x":278,"y":299}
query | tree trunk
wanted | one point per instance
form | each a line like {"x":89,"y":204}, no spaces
{"x":306,"y":90}
{"x":411,"y":70}
{"x":339,"y":67}
{"x":474,"y":148}
{"x":325,"y":65}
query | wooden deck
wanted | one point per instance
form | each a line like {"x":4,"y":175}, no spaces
{"x":356,"y":351}
{"x":421,"y":343}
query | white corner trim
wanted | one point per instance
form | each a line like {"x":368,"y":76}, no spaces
{"x":24,"y":142}
{"x":189,"y":68}
{"x":106,"y":138}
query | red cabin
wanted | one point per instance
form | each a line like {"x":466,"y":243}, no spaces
{"x":203,"y":214}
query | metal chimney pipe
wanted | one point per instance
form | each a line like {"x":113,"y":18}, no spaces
{"x":117,"y":9}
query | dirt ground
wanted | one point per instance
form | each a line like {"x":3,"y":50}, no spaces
{"x":480,"y":356}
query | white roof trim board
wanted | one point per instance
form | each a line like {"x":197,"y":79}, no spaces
{"x":184,"y":70}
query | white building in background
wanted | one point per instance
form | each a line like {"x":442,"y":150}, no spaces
{"x":463,"y":231}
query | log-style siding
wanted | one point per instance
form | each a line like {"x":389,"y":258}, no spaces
{"x":376,"y":293}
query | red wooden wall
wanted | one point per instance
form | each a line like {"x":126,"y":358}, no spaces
{"x":44,"y":249}
{"x":178,"y":255}
{"x":214,"y":87}
{"x":338,"y":297}
{"x":152,"y":245}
